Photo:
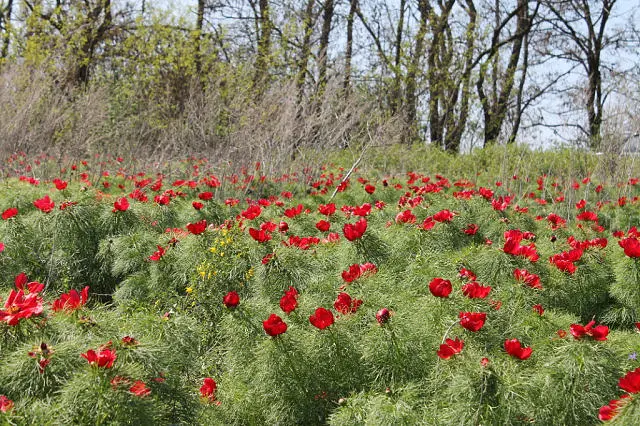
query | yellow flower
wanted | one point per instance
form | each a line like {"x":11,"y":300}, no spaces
{"x":189,"y":290}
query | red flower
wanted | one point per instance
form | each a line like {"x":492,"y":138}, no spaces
{"x":5,"y":404}
{"x":71,"y":301}
{"x":440,"y":287}
{"x":44,"y":204}
{"x":428,"y":223}
{"x":532,"y":280}
{"x":157,"y":255}
{"x":607,"y":412}
{"x":289,"y":302}
{"x":18,"y":307}
{"x":354,"y":231}
{"x":631,"y":247}
{"x":474,"y":290}
{"x":121,"y":205}
{"x":294,"y":211}
{"x":322,"y":318}
{"x":208,"y":389}
{"x":103,"y":359}
{"x":129,"y":341}
{"x":197,"y":205}
{"x":443,"y":216}
{"x":327,"y":210}
{"x":140,"y":389}
{"x":472,"y":321}
{"x":346,"y":305}
{"x":231,"y":299}
{"x":323,"y":226}
{"x":468,"y":274}
{"x":274,"y":326}
{"x":471,"y":229}
{"x":251,"y":212}
{"x":59,"y":184}
{"x":198,"y":227}
{"x":450,"y":348}
{"x":383,"y":316}
{"x":259,"y":235}
{"x":515,"y":349}
{"x":599,"y":332}
{"x":9,"y":213}
{"x":631,"y":381}
{"x":406,"y":216}
{"x":538,"y":309}
{"x":205,"y":196}
{"x":370,"y":189}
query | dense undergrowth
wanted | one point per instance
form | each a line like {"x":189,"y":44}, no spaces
{"x":402,"y":290}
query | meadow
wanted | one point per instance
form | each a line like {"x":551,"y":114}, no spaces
{"x":499,"y":287}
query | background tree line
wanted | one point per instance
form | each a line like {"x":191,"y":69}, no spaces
{"x":251,"y":77}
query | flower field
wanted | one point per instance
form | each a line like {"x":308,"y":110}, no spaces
{"x":177,"y":294}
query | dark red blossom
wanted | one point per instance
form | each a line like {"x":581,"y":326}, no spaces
{"x":274,"y":326}
{"x":289,"y":302}
{"x":440,"y":287}
{"x":103,"y":359}
{"x":140,"y":389}
{"x":450,"y":347}
{"x":475,"y":290}
{"x":444,"y":216}
{"x":121,"y":205}
{"x":44,"y":204}
{"x":259,"y":235}
{"x":355,"y":231}
{"x":18,"y":306}
{"x":9,"y":213}
{"x":383,"y":316}
{"x":608,"y":412}
{"x":599,"y":332}
{"x":323,"y":225}
{"x":531,"y":280}
{"x":321,"y":318}
{"x":515,"y":349}
{"x":631,"y":381}
{"x":231,"y":299}
{"x":631,"y":247}
{"x":472,"y":321}
{"x":208,"y":389}
{"x":345,"y":304}
{"x":71,"y":301}
{"x":198,"y":227}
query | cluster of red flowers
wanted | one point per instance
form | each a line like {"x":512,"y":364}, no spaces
{"x":599,"y":332}
{"x":512,"y":245}
{"x":630,"y":383}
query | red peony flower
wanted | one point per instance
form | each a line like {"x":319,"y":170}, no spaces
{"x":323,"y":226}
{"x":294,"y":211}
{"x":103,"y":359}
{"x":9,"y":213}
{"x":599,"y":332}
{"x":274,"y":326}
{"x":471,"y":229}
{"x":474,"y":290}
{"x":322,"y":318}
{"x":631,"y":247}
{"x":406,"y":216}
{"x":157,"y":255}
{"x":515,"y":349}
{"x":198,"y":227}
{"x":370,"y":189}
{"x":327,"y":210}
{"x":5,"y":404}
{"x":251,"y":212}
{"x":140,"y":389}
{"x":383,"y":316}
{"x":289,"y":302}
{"x":197,"y":205}
{"x":538,"y":309}
{"x":440,"y":287}
{"x":71,"y":301}
{"x":472,"y":321}
{"x":59,"y":184}
{"x":121,"y":205}
{"x":631,"y":381}
{"x":355,"y":231}
{"x":346,"y":305}
{"x":205,"y":196}
{"x":44,"y":204}
{"x":231,"y":299}
{"x":608,"y":412}
{"x":450,"y":348}
{"x":532,"y":280}
{"x":18,"y":306}
{"x":260,"y":236}
{"x":208,"y":389}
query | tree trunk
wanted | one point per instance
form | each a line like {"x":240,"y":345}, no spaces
{"x":305,"y":50}
{"x":264,"y":45}
{"x":396,"y":91}
{"x":353,"y":6}
{"x":6,"y":23}
{"x":412,"y":72}
{"x":198,"y":36}
{"x":327,"y":17}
